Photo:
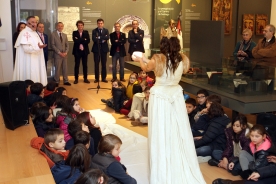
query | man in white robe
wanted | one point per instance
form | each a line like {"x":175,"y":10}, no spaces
{"x":29,"y":60}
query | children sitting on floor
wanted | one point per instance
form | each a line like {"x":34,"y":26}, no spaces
{"x":51,"y":146}
{"x":73,"y":128}
{"x":191,"y":109}
{"x":77,"y":163}
{"x":109,"y":148}
{"x":237,"y":135}
{"x":201,"y":125}
{"x":28,"y":84}
{"x":69,"y":112}
{"x":141,"y":117}
{"x":93,"y":176}
{"x":49,"y":93}
{"x":43,"y":120}
{"x":143,"y":76}
{"x":201,"y":97}
{"x":37,"y":94}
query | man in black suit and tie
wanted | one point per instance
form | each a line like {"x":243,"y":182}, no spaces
{"x":44,"y":39}
{"x":81,"y":40}
{"x":117,"y":51}
{"x":135,"y":38}
{"x":100,"y":35}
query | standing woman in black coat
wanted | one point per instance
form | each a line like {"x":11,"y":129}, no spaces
{"x":213,"y":142}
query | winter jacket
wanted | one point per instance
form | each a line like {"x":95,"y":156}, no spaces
{"x":259,"y":155}
{"x":214,"y":135}
{"x":119,"y":97}
{"x":43,"y":127}
{"x":32,"y":98}
{"x":52,"y":156}
{"x":265,"y":51}
{"x":244,"y":141}
{"x":112,"y":168}
{"x":61,"y":172}
{"x":63,"y":120}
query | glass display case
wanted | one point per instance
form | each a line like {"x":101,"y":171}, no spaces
{"x":250,"y":77}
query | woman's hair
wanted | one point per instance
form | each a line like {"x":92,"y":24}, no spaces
{"x":215,"y":110}
{"x":133,"y":73}
{"x":68,"y":106}
{"x":243,"y":124}
{"x":78,"y":158}
{"x":246,"y":30}
{"x":120,"y":85}
{"x":164,"y":46}
{"x":174,"y":54}
{"x":42,"y":113}
{"x":91,"y":177}
{"x":18,"y":26}
{"x":107,"y":143}
{"x":85,"y":118}
{"x":260,"y":129}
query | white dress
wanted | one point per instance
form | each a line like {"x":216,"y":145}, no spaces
{"x":172,"y":154}
{"x":29,"y":60}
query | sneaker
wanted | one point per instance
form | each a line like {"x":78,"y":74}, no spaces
{"x":104,"y":101}
{"x":122,"y":80}
{"x":202,"y":159}
{"x":136,"y":123}
{"x":213,"y":162}
{"x":86,"y":81}
{"x":76,"y":81}
{"x":67,"y":83}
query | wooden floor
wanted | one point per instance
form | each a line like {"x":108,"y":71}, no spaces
{"x":89,"y":99}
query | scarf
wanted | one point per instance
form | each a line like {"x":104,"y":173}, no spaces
{"x":242,"y":44}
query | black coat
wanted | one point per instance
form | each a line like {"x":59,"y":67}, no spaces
{"x":119,"y":96}
{"x":121,"y":44}
{"x":267,"y":171}
{"x":214,"y":135}
{"x":260,"y":158}
{"x":104,"y":36}
{"x":84,"y":40}
{"x":135,"y":45}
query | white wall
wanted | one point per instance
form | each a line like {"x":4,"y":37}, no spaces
{"x":6,"y":56}
{"x":273,"y":13}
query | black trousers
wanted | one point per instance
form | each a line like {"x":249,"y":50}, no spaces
{"x":97,"y":59}
{"x":83,"y":57}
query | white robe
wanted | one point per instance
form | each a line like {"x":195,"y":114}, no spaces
{"x":29,"y":60}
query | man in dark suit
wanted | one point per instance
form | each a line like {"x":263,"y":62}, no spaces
{"x":117,"y":51}
{"x":135,"y":38}
{"x":81,"y":40}
{"x":44,"y":39}
{"x":60,"y":46}
{"x":100,"y":35}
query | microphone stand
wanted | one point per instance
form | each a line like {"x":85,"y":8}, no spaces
{"x":99,"y":57}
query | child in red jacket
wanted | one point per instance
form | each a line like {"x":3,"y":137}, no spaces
{"x":52,"y":146}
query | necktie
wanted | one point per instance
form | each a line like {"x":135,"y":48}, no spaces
{"x":100,"y":31}
{"x":60,"y":37}
{"x":42,"y":38}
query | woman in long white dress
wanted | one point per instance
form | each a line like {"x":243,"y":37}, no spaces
{"x":172,"y":153}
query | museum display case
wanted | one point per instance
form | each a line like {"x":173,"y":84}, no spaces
{"x":247,"y":77}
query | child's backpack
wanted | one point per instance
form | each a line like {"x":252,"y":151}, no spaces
{"x":268,"y":120}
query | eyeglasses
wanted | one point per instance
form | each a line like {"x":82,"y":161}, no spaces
{"x":200,"y":97}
